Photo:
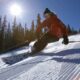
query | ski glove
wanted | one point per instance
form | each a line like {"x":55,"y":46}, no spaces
{"x":65,"y":40}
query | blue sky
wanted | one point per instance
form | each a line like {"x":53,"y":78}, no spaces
{"x":67,"y":10}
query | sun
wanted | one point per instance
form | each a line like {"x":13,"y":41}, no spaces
{"x":15,"y":10}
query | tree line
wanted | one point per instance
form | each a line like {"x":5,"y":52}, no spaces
{"x":15,"y":35}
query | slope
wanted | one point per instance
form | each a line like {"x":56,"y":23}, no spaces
{"x":56,"y":62}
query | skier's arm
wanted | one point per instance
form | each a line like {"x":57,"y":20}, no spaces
{"x":64,"y":31}
{"x":65,"y":34}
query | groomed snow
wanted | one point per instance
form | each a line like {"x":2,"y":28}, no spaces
{"x":56,"y":62}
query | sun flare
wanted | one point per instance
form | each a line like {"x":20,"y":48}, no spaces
{"x":15,"y":10}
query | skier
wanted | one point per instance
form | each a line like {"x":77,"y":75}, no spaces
{"x":56,"y":30}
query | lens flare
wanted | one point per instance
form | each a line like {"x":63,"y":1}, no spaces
{"x":15,"y":10}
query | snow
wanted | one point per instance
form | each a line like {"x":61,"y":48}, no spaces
{"x":56,"y":62}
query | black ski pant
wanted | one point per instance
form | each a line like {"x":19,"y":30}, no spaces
{"x":42,"y":42}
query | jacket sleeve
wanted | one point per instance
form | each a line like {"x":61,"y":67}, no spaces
{"x":41,"y":25}
{"x":64,"y":30}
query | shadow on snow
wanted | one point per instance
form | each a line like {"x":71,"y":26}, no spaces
{"x":67,"y":53}
{"x":59,"y":57}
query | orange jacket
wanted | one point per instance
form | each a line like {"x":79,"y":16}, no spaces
{"x":55,"y":27}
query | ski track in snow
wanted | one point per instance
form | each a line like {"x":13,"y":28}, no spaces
{"x":55,"y":62}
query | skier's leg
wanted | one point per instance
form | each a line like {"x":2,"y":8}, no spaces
{"x":40,"y":44}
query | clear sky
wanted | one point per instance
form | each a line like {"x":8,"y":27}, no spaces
{"x":67,"y":10}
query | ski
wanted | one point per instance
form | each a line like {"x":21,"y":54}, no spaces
{"x":16,"y":58}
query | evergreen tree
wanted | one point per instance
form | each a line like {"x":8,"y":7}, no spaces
{"x":8,"y":39}
{"x":14,"y":31}
{"x":38,"y":20}
{"x":14,"y":23}
{"x":0,"y":32}
{"x":9,"y":30}
{"x":74,"y":31}
{"x":26,"y":32}
{"x":25,"y":29}
{"x":69,"y":29}
{"x":79,"y":30}
{"x":21,"y":33}
{"x":38,"y":23}
{"x":32,"y":26}
{"x":4,"y":25}
{"x":0,"y":23}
